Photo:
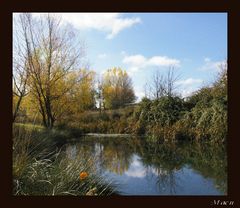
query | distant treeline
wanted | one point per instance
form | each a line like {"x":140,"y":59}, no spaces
{"x":202,"y":116}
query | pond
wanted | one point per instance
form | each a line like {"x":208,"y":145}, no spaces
{"x":141,"y":167}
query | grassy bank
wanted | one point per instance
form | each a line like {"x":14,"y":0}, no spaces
{"x":41,"y":168}
{"x":107,"y":121}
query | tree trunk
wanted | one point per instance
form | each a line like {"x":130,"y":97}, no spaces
{"x":17,"y":108}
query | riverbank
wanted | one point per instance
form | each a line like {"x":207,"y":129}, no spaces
{"x":41,"y":168}
{"x":44,"y":163}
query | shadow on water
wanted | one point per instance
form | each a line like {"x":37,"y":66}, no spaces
{"x":142,"y":167}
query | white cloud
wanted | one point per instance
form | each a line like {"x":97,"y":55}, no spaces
{"x":187,"y":86}
{"x":210,"y":65}
{"x":135,"y":60}
{"x":139,"y":94}
{"x":133,"y":69}
{"x":136,"y":169}
{"x":189,"y":81}
{"x":111,"y":23}
{"x":102,"y":56}
{"x":163,"y":61}
{"x":207,"y":59}
{"x":138,"y":61}
{"x":136,"y":174}
{"x":187,"y":92}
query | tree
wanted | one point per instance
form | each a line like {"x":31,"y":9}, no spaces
{"x":162,"y":85}
{"x":82,"y":96}
{"x":157,"y":89}
{"x":117,"y":88}
{"x":20,"y":78}
{"x":86,"y":91}
{"x":50,"y":54}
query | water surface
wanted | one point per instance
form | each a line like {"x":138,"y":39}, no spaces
{"x":139,"y":167}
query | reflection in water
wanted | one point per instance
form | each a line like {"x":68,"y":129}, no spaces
{"x":147,"y":168}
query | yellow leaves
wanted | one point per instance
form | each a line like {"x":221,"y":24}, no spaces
{"x":116,"y":85}
{"x":81,"y":96}
{"x":114,"y":73}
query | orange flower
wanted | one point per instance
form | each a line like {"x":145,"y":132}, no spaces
{"x":83,"y":175}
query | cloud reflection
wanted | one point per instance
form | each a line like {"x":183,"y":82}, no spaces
{"x":138,"y":170}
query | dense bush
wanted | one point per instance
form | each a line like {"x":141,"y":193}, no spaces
{"x":207,"y":118}
{"x":202,"y":116}
{"x":207,"y":121}
{"x":157,"y":116}
{"x":163,"y":111}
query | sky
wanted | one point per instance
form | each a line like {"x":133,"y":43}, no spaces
{"x":143,"y":43}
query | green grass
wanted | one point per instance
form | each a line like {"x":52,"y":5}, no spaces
{"x":57,"y":176}
{"x":29,"y":126}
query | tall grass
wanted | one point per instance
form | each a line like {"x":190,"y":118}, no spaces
{"x":108,"y":121}
{"x":41,"y":168}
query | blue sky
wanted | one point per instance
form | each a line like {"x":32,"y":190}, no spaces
{"x":141,"y":43}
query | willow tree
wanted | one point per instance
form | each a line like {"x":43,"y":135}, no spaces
{"x":51,"y":53}
{"x":117,"y":88}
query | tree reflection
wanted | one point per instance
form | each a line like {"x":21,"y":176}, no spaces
{"x":161,"y":161}
{"x":117,"y":156}
{"x":206,"y":158}
{"x":109,"y":154}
